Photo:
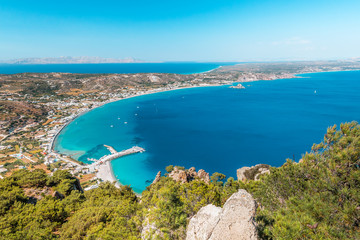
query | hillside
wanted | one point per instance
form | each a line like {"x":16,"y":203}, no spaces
{"x":317,"y":198}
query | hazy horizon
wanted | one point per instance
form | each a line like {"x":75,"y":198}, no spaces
{"x":107,"y":60}
{"x":201,"y":31}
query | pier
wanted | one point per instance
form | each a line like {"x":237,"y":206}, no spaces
{"x":111,"y":149}
{"x":102,"y":166}
{"x":116,"y":154}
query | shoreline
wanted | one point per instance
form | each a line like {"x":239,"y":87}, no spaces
{"x":349,"y":70}
{"x":119,"y":99}
{"x":105,"y":171}
{"x":51,"y":147}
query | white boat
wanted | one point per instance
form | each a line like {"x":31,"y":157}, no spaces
{"x":125,"y":122}
{"x":111,"y":125}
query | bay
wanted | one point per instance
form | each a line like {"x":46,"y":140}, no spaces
{"x":218,"y":129}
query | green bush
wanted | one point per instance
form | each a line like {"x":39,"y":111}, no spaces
{"x":318,"y":198}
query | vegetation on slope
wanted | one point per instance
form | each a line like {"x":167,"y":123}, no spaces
{"x":315,"y":199}
{"x":29,"y":209}
{"x":318,"y":198}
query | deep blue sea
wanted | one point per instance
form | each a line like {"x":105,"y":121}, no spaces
{"x":168,"y":67}
{"x":218,"y":129}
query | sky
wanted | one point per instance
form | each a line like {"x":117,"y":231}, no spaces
{"x":187,"y":30}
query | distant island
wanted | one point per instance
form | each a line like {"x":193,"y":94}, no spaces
{"x":71,"y":60}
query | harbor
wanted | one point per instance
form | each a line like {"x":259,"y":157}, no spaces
{"x":102,"y":167}
{"x":114,"y":154}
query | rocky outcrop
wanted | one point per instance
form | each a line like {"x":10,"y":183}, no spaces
{"x":157,"y":178}
{"x":238,"y":86}
{"x":184,"y":176}
{"x":203,"y":223}
{"x":234,"y":221}
{"x":178,"y":175}
{"x":252,"y":173}
{"x":203,"y":176}
{"x":240,"y":173}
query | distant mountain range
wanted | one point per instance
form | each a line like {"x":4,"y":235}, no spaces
{"x":66,"y":60}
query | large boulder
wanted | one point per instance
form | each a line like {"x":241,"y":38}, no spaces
{"x":234,"y":221}
{"x":203,"y":223}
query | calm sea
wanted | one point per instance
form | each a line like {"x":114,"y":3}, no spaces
{"x":175,"y":67}
{"x":218,"y":129}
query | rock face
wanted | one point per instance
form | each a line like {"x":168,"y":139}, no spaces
{"x":252,"y":173}
{"x":204,"y":176}
{"x":240,"y":173}
{"x":203,"y":223}
{"x":185,"y":176}
{"x":157,"y":178}
{"x":234,"y":221}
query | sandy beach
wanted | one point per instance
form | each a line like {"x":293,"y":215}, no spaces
{"x":106,"y":173}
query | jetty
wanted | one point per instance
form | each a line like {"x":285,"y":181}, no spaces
{"x":114,"y":154}
{"x":102,"y":166}
{"x":111,"y":149}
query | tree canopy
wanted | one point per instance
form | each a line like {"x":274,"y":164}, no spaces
{"x":317,"y":198}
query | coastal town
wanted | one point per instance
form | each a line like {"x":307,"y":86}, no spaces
{"x":28,"y":138}
{"x":34,"y":108}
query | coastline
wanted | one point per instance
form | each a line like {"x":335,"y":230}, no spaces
{"x":105,"y":171}
{"x":153,"y":91}
{"x":159,"y":90}
{"x":331,"y":71}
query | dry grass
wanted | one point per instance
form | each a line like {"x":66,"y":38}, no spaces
{"x":86,"y":177}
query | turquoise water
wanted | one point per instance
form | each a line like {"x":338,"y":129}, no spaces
{"x":218,"y":129}
{"x":168,"y":67}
